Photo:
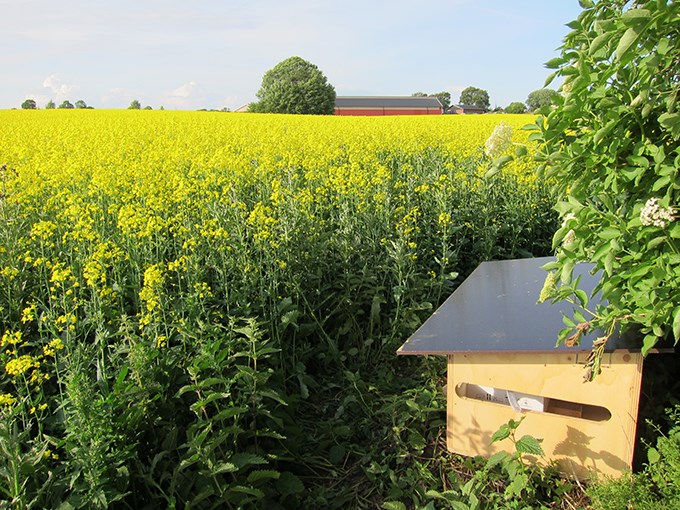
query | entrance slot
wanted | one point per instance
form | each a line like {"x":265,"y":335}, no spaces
{"x":527,"y":402}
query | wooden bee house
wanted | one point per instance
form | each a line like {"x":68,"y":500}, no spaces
{"x":502,"y":364}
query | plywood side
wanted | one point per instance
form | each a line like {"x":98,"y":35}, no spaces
{"x":581,"y":446}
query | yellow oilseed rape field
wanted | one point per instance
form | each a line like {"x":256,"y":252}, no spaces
{"x":181,"y":293}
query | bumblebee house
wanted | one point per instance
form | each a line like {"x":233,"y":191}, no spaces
{"x":502,"y":364}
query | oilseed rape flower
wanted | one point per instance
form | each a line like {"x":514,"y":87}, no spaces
{"x":21,"y":365}
{"x":7,"y":399}
{"x":11,"y":338}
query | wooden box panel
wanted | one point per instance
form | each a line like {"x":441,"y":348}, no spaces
{"x":581,"y":438}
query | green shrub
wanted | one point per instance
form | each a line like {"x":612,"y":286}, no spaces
{"x":610,"y":146}
{"x":656,"y":486}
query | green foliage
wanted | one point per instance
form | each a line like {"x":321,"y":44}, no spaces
{"x":135,"y":105}
{"x":80,"y":104}
{"x":66,"y":104}
{"x":443,"y":97}
{"x":516,"y":107}
{"x":50,"y":105}
{"x":510,"y":480}
{"x":540,"y":99}
{"x":656,"y":486}
{"x":29,"y":104}
{"x":611,"y":147}
{"x":277,"y":387}
{"x":295,"y":86}
{"x":472,"y":96}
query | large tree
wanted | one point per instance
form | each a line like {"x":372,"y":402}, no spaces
{"x":516,"y":107}
{"x":472,"y":96}
{"x":29,"y":104}
{"x":540,"y":98}
{"x":66,"y":104}
{"x":295,"y":86}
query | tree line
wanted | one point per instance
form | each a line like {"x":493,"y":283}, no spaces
{"x":295,"y":85}
{"x":31,"y":104}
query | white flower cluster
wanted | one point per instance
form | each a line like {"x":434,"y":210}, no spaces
{"x":570,"y":238}
{"x":498,"y":141}
{"x":653,"y":214}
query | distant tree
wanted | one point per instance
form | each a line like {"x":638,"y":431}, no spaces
{"x":472,"y":96}
{"x":135,"y":105}
{"x":295,"y":86}
{"x":516,"y":107}
{"x":81,"y":104}
{"x":29,"y":104}
{"x":66,"y":104}
{"x":540,"y":98}
{"x":147,"y":107}
{"x":444,"y":99}
{"x":50,"y":105}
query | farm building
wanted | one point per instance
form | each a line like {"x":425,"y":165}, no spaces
{"x":387,"y":105}
{"x":465,"y":108}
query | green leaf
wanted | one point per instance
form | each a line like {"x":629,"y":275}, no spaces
{"x":635,"y":15}
{"x":599,"y":42}
{"x":224,"y":467}
{"x":648,"y":343}
{"x":251,"y":491}
{"x":554,"y":63}
{"x":653,"y":456}
{"x":676,"y":324}
{"x":567,"y":271}
{"x":609,"y":263}
{"x":288,"y":483}
{"x":336,"y":454}
{"x":263,"y":474}
{"x":393,"y":505}
{"x":628,"y":39}
{"x":671,"y":122}
{"x":609,"y":233}
{"x":496,"y":459}
{"x":244,"y":459}
{"x":638,"y":161}
{"x":502,"y":433}
{"x":529,"y":444}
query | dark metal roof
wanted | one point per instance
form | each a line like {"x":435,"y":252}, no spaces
{"x":495,"y":310}
{"x":467,"y":107}
{"x":386,"y":102}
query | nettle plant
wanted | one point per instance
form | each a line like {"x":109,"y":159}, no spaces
{"x":609,"y":144}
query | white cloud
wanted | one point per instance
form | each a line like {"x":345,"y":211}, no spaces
{"x":59,"y":89}
{"x":183,"y":91}
{"x":184,"y":96}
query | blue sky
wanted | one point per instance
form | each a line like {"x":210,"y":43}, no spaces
{"x":184,"y":54}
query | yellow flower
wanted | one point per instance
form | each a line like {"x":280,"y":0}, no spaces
{"x":21,"y":365}
{"x":9,"y":338}
{"x":28,"y":314}
{"x":51,"y":348}
{"x":6,"y":399}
